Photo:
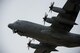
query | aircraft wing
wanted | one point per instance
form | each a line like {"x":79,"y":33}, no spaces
{"x":42,"y":47}
{"x":65,"y":21}
{"x":42,"y":50}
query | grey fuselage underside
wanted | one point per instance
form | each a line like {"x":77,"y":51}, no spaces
{"x":45,"y":35}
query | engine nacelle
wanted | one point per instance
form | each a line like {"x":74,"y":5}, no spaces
{"x":50,"y":20}
{"x":53,"y":19}
{"x":33,"y":45}
{"x":59,"y":10}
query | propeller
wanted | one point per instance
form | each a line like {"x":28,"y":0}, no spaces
{"x":45,"y":17}
{"x":51,"y":7}
{"x":29,"y":43}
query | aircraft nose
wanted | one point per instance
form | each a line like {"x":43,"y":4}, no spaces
{"x":10,"y":26}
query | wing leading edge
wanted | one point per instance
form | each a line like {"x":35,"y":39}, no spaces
{"x":65,"y":21}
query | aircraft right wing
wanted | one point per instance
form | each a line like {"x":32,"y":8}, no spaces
{"x":42,"y":50}
{"x":45,"y":49}
{"x":42,"y":47}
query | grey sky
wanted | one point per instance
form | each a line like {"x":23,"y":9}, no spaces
{"x":31,"y":10}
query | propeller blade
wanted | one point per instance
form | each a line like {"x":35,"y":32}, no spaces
{"x":51,"y":7}
{"x":44,"y":22}
{"x":29,"y":43}
{"x":28,"y":47}
{"x":45,"y":17}
{"x":53,"y":3}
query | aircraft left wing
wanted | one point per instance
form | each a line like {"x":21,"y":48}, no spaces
{"x":66,"y":20}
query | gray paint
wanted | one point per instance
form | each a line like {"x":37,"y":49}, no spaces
{"x":12,"y":10}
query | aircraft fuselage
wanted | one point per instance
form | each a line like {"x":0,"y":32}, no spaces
{"x":45,"y":34}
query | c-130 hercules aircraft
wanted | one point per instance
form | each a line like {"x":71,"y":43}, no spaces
{"x":58,"y":34}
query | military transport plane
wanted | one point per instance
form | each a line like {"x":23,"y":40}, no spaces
{"x":58,"y":34}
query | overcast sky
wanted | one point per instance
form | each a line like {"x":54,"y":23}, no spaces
{"x":31,"y":10}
